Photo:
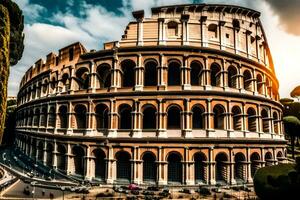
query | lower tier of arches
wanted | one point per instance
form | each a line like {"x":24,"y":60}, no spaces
{"x":155,"y":162}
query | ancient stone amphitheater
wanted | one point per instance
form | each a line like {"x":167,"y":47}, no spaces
{"x":188,"y":96}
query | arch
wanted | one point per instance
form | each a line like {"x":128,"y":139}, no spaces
{"x":279,"y":155}
{"x":83,"y":78}
{"x":125,"y":121}
{"x":44,"y":117}
{"x":34,"y":148}
{"x":200,"y":167}
{"x":149,"y":167}
{"x":269,"y":159}
{"x":80,"y":116}
{"x":247,"y":80}
{"x":61,"y":157}
{"x":78,"y":159}
{"x":276,"y":122}
{"x":196,"y":73}
{"x":174,"y":77}
{"x":63,"y":116}
{"x":215,"y":74}
{"x":150,"y":75}
{"x":265,"y":121}
{"x":149,"y":117}
{"x":198,"y":118}
{"x":40,"y":152}
{"x":49,"y":150}
{"x":255,"y":163}
{"x":104,"y":75}
{"x":174,"y":117}
{"x":219,"y":117}
{"x":174,"y":168}
{"x":123,"y":166}
{"x":237,"y":118}
{"x":232,"y":77}
{"x":101,"y":114}
{"x":65,"y":81}
{"x":128,"y":76}
{"x":251,"y":120}
{"x":239,"y":167}
{"x":259,"y":83}
{"x":221,"y":167}
{"x":99,"y":164}
{"x":51,"y":119}
{"x":36,"y":117}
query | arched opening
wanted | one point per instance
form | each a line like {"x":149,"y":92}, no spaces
{"x":219,"y":117}
{"x":63,"y":116}
{"x":80,"y":116}
{"x":104,"y":75}
{"x":123,"y":167}
{"x":239,"y":167}
{"x":149,"y":167}
{"x":65,"y":82}
{"x":221,"y":167}
{"x":269,"y":159}
{"x":51,"y":119}
{"x":279,"y":156}
{"x":174,"y":168}
{"x":49,"y":150}
{"x":276,"y":122}
{"x":83,"y":78}
{"x":127,"y":67}
{"x":78,"y":157}
{"x":200,"y":168}
{"x":232,"y":77}
{"x":150,"y":76}
{"x":255,"y":163}
{"x":174,"y":73}
{"x":237,"y":118}
{"x":149,"y":118}
{"x":196,"y":73}
{"x":174,"y":117}
{"x":101,"y":113}
{"x":259,"y":82}
{"x":198,"y":119}
{"x":40,"y":151}
{"x":99,"y":164}
{"x":61,"y":157}
{"x":269,"y":87}
{"x":44,"y":117}
{"x":34,"y":149}
{"x":215,"y":74}
{"x":247,"y":80}
{"x":251,"y":119}
{"x":125,"y":117}
{"x":36,"y":117}
{"x":265,"y":121}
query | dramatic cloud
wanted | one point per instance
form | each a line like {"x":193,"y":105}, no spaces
{"x":31,"y":11}
{"x":289,"y":14}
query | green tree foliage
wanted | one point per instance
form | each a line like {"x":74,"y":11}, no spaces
{"x":292,"y":128}
{"x":11,"y":49}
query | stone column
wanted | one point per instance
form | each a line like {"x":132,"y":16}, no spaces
{"x":69,"y":160}
{"x":72,"y":79}
{"x":162,"y":73}
{"x":249,"y":178}
{"x":93,"y":79}
{"x":70,"y":116}
{"x":111,"y":166}
{"x":113,"y":119}
{"x":116,"y":73}
{"x":139,"y":71}
{"x":162,"y":167}
{"x":161,"y":31}
{"x":137,"y":118}
{"x":45,"y":152}
{"x":87,"y":175}
{"x":54,"y":155}
{"x":231,"y":163}
{"x":139,"y":16}
{"x":210,"y":120}
{"x":185,"y":74}
{"x":204,"y":39}
{"x":89,"y":129}
{"x":212,"y":171}
{"x":185,"y":29}
{"x":162,"y":131}
{"x":221,"y":33}
{"x":137,"y":169}
{"x":187,"y":131}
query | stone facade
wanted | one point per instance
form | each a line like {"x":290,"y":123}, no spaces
{"x":188,"y":96}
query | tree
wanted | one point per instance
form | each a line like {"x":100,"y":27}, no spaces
{"x":11,"y":49}
{"x":292,"y":126}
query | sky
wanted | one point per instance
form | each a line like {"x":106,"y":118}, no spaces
{"x":51,"y":25}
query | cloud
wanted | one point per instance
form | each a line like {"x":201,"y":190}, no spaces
{"x":288,"y":12}
{"x":30,"y":11}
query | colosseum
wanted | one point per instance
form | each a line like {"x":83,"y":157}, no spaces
{"x":188,"y":96}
